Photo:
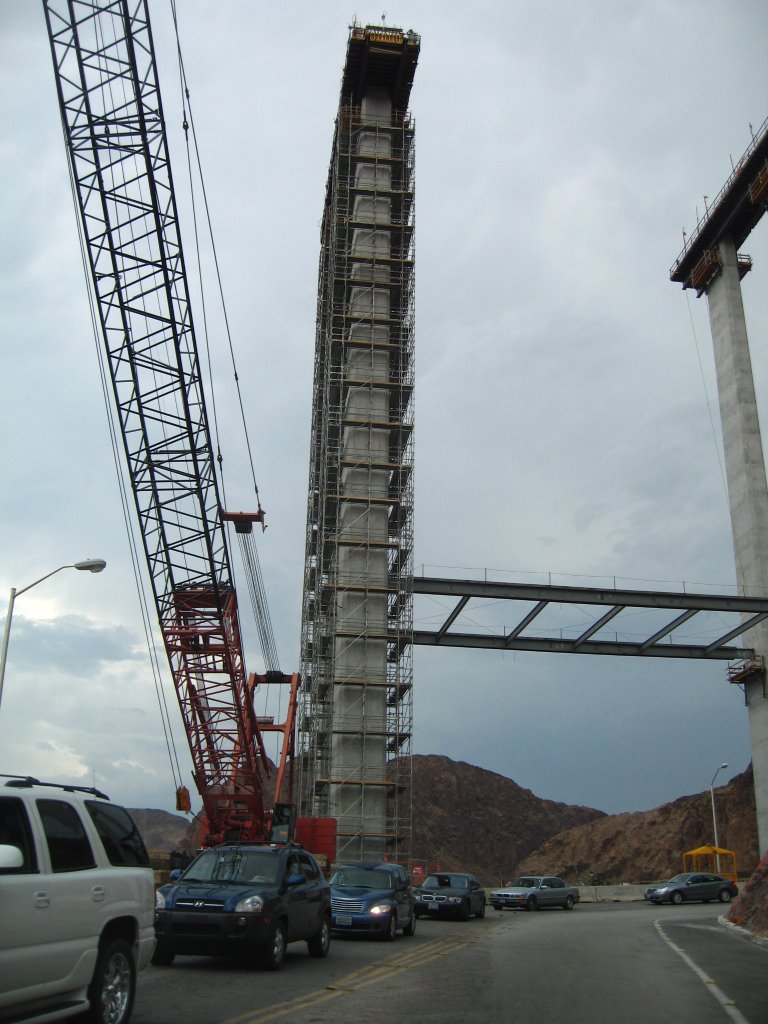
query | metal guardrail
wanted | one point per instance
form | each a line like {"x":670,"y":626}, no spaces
{"x":702,"y":221}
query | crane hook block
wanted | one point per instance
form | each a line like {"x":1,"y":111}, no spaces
{"x":183,"y":801}
{"x":243,"y":520}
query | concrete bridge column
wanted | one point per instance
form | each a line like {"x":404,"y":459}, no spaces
{"x":747,"y":490}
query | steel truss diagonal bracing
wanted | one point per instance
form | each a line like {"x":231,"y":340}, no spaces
{"x":527,"y":603}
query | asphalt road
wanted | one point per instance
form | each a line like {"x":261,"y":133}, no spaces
{"x":629,"y":963}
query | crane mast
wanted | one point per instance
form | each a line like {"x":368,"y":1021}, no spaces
{"x":107,"y":83}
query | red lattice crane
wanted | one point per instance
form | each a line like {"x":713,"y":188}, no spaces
{"x":112,"y":116}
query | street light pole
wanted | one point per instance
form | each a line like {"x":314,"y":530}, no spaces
{"x":714,"y":816}
{"x":90,"y":565}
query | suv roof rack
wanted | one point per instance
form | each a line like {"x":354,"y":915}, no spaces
{"x":27,"y":781}
{"x":270,"y":843}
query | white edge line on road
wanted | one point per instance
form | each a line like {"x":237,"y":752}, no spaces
{"x":725,"y":1002}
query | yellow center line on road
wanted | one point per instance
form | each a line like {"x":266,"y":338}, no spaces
{"x":371,"y":974}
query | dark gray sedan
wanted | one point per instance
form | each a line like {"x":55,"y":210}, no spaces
{"x":693,"y":885}
{"x":450,"y":894}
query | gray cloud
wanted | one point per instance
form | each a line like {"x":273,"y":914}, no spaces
{"x":71,"y":645}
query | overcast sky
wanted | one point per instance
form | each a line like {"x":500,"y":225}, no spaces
{"x":566,"y":411}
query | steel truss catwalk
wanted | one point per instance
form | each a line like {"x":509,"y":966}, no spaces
{"x":528,"y":602}
{"x":356,"y":720}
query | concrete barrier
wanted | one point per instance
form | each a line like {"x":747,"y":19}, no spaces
{"x":610,"y":893}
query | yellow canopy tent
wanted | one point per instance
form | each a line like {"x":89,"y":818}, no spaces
{"x":713,"y":859}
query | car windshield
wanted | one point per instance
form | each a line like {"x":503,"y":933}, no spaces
{"x":239,"y":866}
{"x":525,"y":883}
{"x":445,"y":881}
{"x":677,"y":878}
{"x":364,"y":878}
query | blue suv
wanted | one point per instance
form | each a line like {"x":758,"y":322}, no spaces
{"x":244,"y":899}
{"x":370,"y":898}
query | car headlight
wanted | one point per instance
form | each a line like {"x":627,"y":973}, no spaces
{"x":159,"y":901}
{"x":381,"y":908}
{"x":250,"y":905}
{"x":454,"y":899}
{"x":664,"y":888}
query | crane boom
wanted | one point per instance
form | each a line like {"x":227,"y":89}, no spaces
{"x":107,"y":83}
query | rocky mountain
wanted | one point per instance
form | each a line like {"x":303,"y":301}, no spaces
{"x":161,"y":830}
{"x":648,"y":845}
{"x":750,"y":909}
{"x":469,"y":819}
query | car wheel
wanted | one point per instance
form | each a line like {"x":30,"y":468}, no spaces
{"x":320,"y":943}
{"x":163,"y":955}
{"x":724,"y":895}
{"x":410,"y":928}
{"x":464,"y":911}
{"x":568,"y":905}
{"x":676,"y":898}
{"x":389,"y":934}
{"x":531,"y":903}
{"x":273,"y":956}
{"x":112,"y":990}
{"x":481,"y":911}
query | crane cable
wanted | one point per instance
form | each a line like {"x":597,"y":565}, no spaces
{"x":250,"y":556}
{"x":258,"y":597}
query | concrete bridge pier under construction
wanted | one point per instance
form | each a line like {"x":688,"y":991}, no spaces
{"x":747,"y":491}
{"x":711,"y":264}
{"x":357,"y":623}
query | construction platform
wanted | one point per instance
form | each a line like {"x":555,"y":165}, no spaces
{"x":736,"y":210}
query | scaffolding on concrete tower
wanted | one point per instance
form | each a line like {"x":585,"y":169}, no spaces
{"x":357,"y":628}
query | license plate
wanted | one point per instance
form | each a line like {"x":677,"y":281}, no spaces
{"x":434,"y":906}
{"x":343,"y":919}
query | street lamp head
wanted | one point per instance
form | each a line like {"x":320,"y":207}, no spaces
{"x":91,"y":564}
{"x":722,"y":766}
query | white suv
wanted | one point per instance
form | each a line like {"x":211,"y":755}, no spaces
{"x":76,"y":904}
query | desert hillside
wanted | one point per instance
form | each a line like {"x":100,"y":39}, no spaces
{"x":467,"y":818}
{"x":648,"y":845}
